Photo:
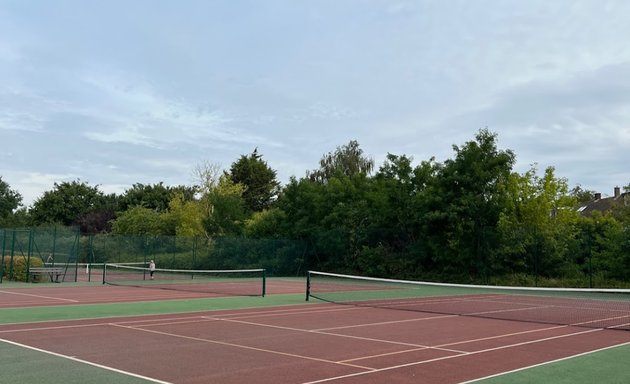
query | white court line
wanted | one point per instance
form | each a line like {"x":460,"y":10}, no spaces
{"x":448,"y":357}
{"x":387,"y":322}
{"x":293,"y":311}
{"x":209,"y":341}
{"x":336,"y":335}
{"x":192,"y":320}
{"x":296,"y":310}
{"x":442,"y":346}
{"x":50,"y":328}
{"x":86,"y":362}
{"x":543,"y":364}
{"x":190,"y":315}
{"x":504,"y":335}
{"x":38,"y":296}
{"x":393,"y":353}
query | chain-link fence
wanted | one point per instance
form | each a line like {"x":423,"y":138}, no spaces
{"x":530,"y":262}
{"x":24,"y":248}
{"x":82,"y":257}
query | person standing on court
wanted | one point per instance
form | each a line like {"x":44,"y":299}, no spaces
{"x":151,"y":268}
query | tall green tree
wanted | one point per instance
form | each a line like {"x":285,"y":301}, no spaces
{"x":99,"y":219}
{"x":464,"y":205}
{"x":153,"y":196}
{"x":582,"y":195}
{"x":398,"y":223}
{"x":184,"y":218}
{"x":267,"y":224}
{"x":225,"y":213}
{"x":537,"y":224}
{"x":347,"y":160}
{"x":139,"y":221}
{"x":10,"y":200}
{"x":259,"y":180}
{"x":67,"y":202}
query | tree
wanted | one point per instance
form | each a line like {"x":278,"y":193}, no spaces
{"x":582,"y":195}
{"x":396,"y":220}
{"x":10,"y":200}
{"x":138,"y":221}
{"x":67,"y":202}
{"x":464,"y":205}
{"x":184,"y":218}
{"x":99,"y":220}
{"x":537,"y":224}
{"x":207,"y":176}
{"x":346,"y":160}
{"x":226,"y":208}
{"x":266,"y":224}
{"x":221,"y":201}
{"x":259,"y":180}
{"x":156,"y":196}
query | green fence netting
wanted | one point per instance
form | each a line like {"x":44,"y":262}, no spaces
{"x":82,"y":256}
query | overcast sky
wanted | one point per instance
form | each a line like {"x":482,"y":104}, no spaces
{"x":114,"y":93}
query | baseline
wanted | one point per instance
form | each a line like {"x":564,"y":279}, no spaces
{"x":72,"y":358}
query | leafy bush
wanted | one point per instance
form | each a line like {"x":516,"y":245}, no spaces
{"x":20,"y":265}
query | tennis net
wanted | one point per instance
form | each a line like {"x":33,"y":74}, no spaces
{"x":231,"y":282}
{"x":592,"y":308}
{"x":84,"y":272}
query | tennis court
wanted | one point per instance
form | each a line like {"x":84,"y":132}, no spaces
{"x":280,"y":338}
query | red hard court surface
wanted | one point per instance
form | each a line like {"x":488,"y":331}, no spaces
{"x":312,"y":344}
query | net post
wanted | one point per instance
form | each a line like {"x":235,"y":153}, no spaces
{"x":308,"y":284}
{"x":104,"y":271}
{"x":264,"y":282}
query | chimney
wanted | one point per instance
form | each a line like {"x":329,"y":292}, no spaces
{"x":617,"y":192}
{"x":598,"y":195}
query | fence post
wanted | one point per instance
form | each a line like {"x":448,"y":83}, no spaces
{"x":54,"y":245}
{"x":11,"y":269}
{"x":4,"y":238}
{"x":308,"y":284}
{"x":29,"y":250}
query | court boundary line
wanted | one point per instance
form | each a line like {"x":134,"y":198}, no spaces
{"x":38,"y":296}
{"x":299,"y":310}
{"x":186,"y":316}
{"x":414,"y":347}
{"x":192,"y":312}
{"x":377,"y":370}
{"x":386,"y":323}
{"x":441,"y":346}
{"x":322,"y":331}
{"x":545,"y":363}
{"x":341,"y":335}
{"x":224,"y":343}
{"x":75,"y":359}
{"x":418,"y":347}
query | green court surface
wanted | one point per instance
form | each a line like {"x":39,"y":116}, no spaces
{"x":96,"y":311}
{"x":609,"y":366}
{"x":25,"y":365}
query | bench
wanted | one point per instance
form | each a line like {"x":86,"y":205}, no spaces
{"x":53,"y":272}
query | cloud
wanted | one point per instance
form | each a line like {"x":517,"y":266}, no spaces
{"x":20,"y":121}
{"x":588,"y":105}
{"x":135,"y":113}
{"x":25,"y":109}
{"x":146,"y":99}
{"x":577,"y":123}
{"x":33,"y":184}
